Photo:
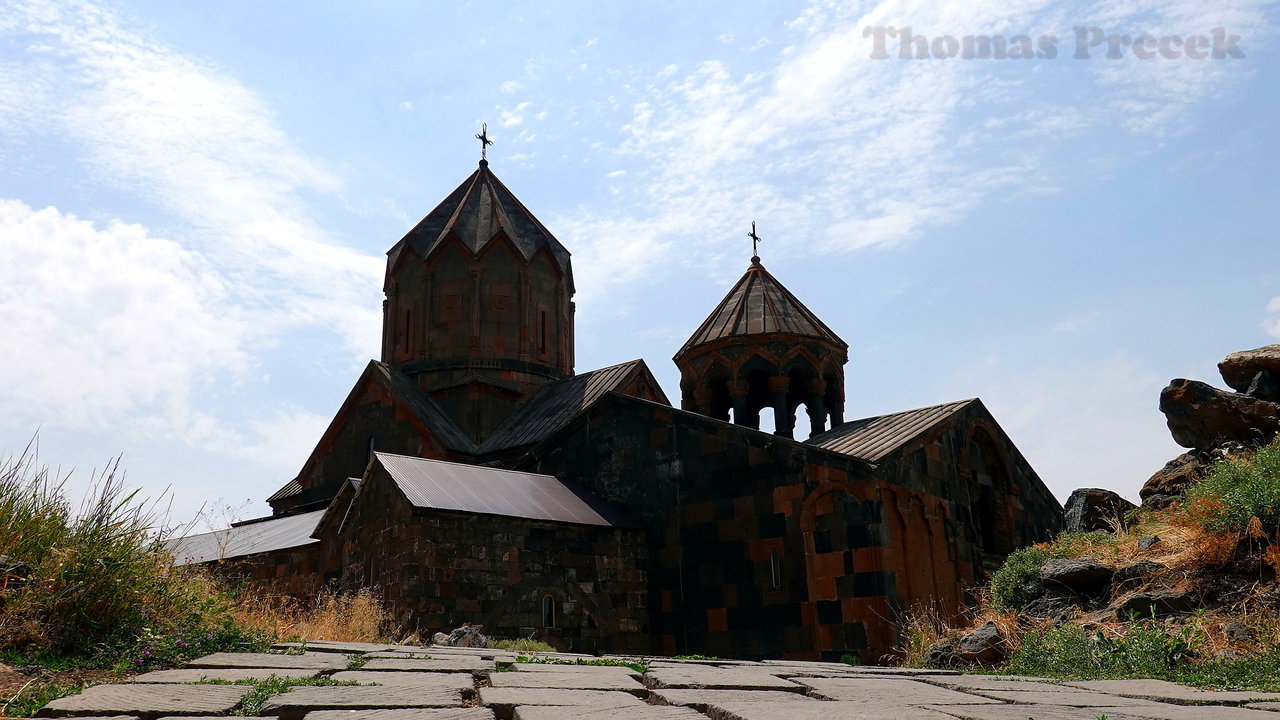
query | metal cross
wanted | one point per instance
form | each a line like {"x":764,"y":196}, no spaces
{"x":485,"y":142}
{"x":755,"y":240}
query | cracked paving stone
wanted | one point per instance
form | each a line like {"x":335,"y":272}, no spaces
{"x":986,"y":682}
{"x":308,"y":661}
{"x":450,"y":664}
{"x":229,"y":674}
{"x":332,"y":646}
{"x":717,"y":678}
{"x":404,"y":714}
{"x":567,"y":681}
{"x":505,"y":700}
{"x":600,"y":670}
{"x":1164,"y":691}
{"x":445,"y":681}
{"x":840,"y":710}
{"x":889,"y":691}
{"x":590,"y":712}
{"x":147,"y":701}
{"x":699,"y":699}
{"x":1165,"y":711}
{"x":1027,"y":712}
{"x":1071,"y":697}
{"x":299,"y":701}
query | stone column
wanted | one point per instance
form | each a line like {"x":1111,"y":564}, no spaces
{"x":816,"y":408}
{"x":784,"y":422}
{"x":837,"y":408}
{"x":741,"y":415}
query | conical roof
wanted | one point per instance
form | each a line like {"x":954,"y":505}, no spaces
{"x":758,"y":304}
{"x":476,"y":211}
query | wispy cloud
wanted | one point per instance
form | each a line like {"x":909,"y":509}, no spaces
{"x":836,"y":151}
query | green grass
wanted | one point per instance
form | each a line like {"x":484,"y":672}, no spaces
{"x":35,"y":696}
{"x":1238,"y":490}
{"x":694,"y":657}
{"x":637,"y":664}
{"x":1017,"y":582}
{"x":100,"y":590}
{"x":521,"y":645}
{"x":355,"y":662}
{"x":262,"y":690}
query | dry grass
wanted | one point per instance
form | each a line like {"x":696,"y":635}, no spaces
{"x":346,"y":617}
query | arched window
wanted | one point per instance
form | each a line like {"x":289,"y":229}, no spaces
{"x":548,"y":611}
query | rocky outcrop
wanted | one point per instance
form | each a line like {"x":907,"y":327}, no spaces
{"x":1090,"y":509}
{"x":465,"y":636}
{"x":1201,"y":416}
{"x":1255,"y":373}
{"x":983,"y":646}
{"x":1084,"y":575}
{"x":1154,"y":604}
{"x":1172,"y":480}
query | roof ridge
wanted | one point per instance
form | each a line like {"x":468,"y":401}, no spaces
{"x":463,"y":464}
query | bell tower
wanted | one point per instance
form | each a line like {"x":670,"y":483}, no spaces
{"x":762,"y":348}
{"x":478,"y":306}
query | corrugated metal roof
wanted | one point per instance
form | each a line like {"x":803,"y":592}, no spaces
{"x":759,"y":304}
{"x":440,"y":485}
{"x":555,"y":405}
{"x":874,"y":438}
{"x":249,"y":538}
{"x":476,"y":212}
{"x":291,"y":488}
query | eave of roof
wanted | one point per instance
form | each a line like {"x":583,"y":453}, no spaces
{"x":875,"y":438}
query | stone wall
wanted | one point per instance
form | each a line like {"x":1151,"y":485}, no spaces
{"x":439,"y":569}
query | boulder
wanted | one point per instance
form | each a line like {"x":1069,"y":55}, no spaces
{"x":1057,"y":603}
{"x":1135,"y":572}
{"x":439,"y":639}
{"x":468,"y":636}
{"x":941,"y":655}
{"x":1148,"y":542}
{"x":1172,"y":480}
{"x":1238,"y":632}
{"x":1255,"y":373}
{"x":1201,"y":416}
{"x":984,"y":645}
{"x":1159,"y":602}
{"x":1084,"y":575}
{"x":1090,"y":509}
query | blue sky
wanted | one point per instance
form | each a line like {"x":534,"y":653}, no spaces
{"x":196,"y":199}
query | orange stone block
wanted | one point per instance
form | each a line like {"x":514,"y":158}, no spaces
{"x":717,"y":620}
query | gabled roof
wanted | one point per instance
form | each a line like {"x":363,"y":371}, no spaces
{"x":426,"y":410}
{"x":875,"y":438}
{"x":558,"y":403}
{"x":476,"y":212}
{"x":440,"y":485}
{"x":756,"y":305}
{"x":246,"y":538}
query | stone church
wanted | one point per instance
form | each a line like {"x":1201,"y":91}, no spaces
{"x":474,"y":475}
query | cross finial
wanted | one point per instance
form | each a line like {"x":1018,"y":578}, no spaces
{"x":755,"y":241}
{"x":485,"y":142}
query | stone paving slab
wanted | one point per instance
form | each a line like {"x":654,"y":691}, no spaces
{"x":448,"y":681}
{"x":1166,"y":711}
{"x":404,"y":714}
{"x":332,"y":646}
{"x":450,"y":664}
{"x":748,"y":710}
{"x":184,"y":675}
{"x":567,"y":681}
{"x":1026,"y":712}
{"x":966,"y":683}
{"x":699,"y":699}
{"x":299,"y":701}
{"x":147,"y":701}
{"x":717,"y":678}
{"x":1270,"y":706}
{"x":602,"y":670}
{"x":504,"y":701}
{"x":1164,"y":691}
{"x":1070,"y":697}
{"x":888,"y":691}
{"x":306,"y":661}
{"x":589,"y":712}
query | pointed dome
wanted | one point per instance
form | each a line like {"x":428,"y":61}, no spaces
{"x":476,"y":212}
{"x":757,"y":305}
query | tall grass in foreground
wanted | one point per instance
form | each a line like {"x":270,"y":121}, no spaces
{"x":94,"y":583}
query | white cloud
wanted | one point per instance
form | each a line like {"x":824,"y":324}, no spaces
{"x":1272,"y":323}
{"x":835,"y":151}
{"x":105,"y":322}
{"x":406,"y":106}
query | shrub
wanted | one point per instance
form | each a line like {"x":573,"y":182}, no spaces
{"x":1068,"y":651}
{"x":1238,"y":490}
{"x":1017,"y":582}
{"x":98,"y":585}
{"x":521,"y":645}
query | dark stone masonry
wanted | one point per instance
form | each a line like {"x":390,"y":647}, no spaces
{"x":473,"y":476}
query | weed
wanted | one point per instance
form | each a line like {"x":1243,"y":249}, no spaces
{"x":36,"y":695}
{"x":521,"y":645}
{"x":1239,"y":490}
{"x":355,"y":662}
{"x":695,"y":657}
{"x":262,"y":690}
{"x":638,"y":665}
{"x":1017,"y":582}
